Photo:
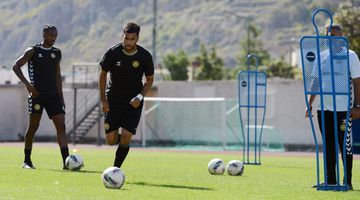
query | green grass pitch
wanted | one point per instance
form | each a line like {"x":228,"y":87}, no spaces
{"x":158,"y":175}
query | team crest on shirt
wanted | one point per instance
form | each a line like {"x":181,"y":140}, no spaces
{"x":118,"y":63}
{"x":37,"y":107}
{"x":106,"y":126}
{"x":52,"y":55}
{"x":135,"y":64}
{"x":40,"y":55}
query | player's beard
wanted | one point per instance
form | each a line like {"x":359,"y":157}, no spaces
{"x":51,"y":42}
{"x":130,"y":48}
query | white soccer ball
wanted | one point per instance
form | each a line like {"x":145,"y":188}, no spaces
{"x":113,"y":178}
{"x":235,"y":168}
{"x":216,"y":166}
{"x":74,"y":162}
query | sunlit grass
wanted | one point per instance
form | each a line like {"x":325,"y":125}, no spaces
{"x":161,"y":175}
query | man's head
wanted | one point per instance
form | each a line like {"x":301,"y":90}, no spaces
{"x":336,"y":30}
{"x":130,"y":36}
{"x":49,"y":35}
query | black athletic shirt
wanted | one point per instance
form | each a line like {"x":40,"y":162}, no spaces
{"x":126,"y":72}
{"x":42,"y":69}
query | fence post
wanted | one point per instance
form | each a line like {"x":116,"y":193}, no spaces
{"x":74,"y":119}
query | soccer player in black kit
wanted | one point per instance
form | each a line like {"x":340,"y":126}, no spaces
{"x":127,"y":63}
{"x":45,"y":90}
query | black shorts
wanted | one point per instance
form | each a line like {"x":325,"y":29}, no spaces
{"x":122,"y":115}
{"x":51,"y":103}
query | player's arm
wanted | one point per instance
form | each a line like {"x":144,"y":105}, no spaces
{"x":135,"y":102}
{"x":148,"y":84}
{"x":59,"y":90}
{"x":313,"y":87}
{"x":17,"y":69}
{"x":311,"y":99}
{"x":356,"y":109}
{"x":102,"y":87}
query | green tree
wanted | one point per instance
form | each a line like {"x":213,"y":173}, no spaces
{"x":348,"y":18}
{"x":255,"y":47}
{"x":281,"y":69}
{"x":211,"y":66}
{"x":177,"y":65}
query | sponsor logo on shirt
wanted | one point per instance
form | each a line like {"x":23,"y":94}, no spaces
{"x":118,"y":63}
{"x":325,"y":73}
{"x":52,"y":55}
{"x":40,"y":55}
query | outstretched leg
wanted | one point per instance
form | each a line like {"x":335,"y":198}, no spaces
{"x":59,"y":122}
{"x":34,"y":122}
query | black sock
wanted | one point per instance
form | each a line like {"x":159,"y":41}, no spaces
{"x":64,"y":153}
{"x":27,"y":153}
{"x":121,"y":154}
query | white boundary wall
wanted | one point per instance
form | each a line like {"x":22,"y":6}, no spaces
{"x":285,"y":107}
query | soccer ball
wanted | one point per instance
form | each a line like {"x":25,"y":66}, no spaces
{"x":113,"y":178}
{"x":74,"y":162}
{"x":216,"y":166}
{"x":235,"y":168}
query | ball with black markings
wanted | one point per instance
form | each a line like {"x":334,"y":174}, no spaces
{"x":216,"y":166}
{"x":113,"y":178}
{"x":235,"y":168}
{"x":74,"y":162}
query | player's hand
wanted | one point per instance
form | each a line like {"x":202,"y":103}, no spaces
{"x":105,"y":105}
{"x":135,"y":102}
{"x":32,"y":91}
{"x":307,"y":113}
{"x":355,"y":113}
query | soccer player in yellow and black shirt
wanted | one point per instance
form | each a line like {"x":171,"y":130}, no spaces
{"x":127,"y":63}
{"x":45,"y":90}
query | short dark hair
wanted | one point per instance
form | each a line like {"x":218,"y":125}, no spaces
{"x":334,"y":26}
{"x":131,"y":28}
{"x":49,"y":27}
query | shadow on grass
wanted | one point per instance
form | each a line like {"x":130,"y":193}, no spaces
{"x":290,"y":167}
{"x":169,"y":186}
